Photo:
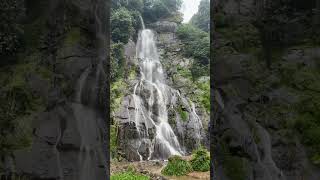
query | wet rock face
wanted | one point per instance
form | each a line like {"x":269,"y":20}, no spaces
{"x":69,"y":138}
{"x":189,"y":123}
{"x":250,"y":121}
{"x":164,"y":26}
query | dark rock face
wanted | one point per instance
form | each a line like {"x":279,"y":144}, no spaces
{"x":70,"y":136}
{"x":250,"y":125}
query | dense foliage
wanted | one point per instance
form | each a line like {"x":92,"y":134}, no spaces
{"x":11,"y":12}
{"x":121,"y":25}
{"x":157,"y":9}
{"x":177,"y":167}
{"x":117,"y":61}
{"x":200,"y":160}
{"x":196,"y":45}
{"x":202,"y":18}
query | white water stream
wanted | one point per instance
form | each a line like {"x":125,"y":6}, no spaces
{"x":151,"y":86}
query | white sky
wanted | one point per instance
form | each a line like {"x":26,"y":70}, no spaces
{"x":189,"y":8}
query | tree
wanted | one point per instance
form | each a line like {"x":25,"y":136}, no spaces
{"x":197,"y":45}
{"x":121,"y":25}
{"x":202,"y":18}
{"x":156,"y":9}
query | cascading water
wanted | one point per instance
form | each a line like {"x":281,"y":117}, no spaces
{"x":151,"y":90}
{"x":87,"y":124}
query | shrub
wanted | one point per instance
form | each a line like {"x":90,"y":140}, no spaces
{"x":183,"y":114}
{"x":200,"y":160}
{"x":121,"y":25}
{"x":177,"y":167}
{"x":117,"y":61}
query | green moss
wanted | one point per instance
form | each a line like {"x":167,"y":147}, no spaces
{"x":200,"y":160}
{"x":315,"y":159}
{"x":235,"y":167}
{"x":118,"y":90}
{"x":184,"y":72}
{"x":183,"y":114}
{"x":204,"y":95}
{"x":177,"y":167}
{"x":73,"y":37}
{"x":19,"y":104}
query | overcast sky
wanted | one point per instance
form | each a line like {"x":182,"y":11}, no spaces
{"x":189,"y":8}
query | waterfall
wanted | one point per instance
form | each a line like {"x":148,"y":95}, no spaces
{"x":151,"y":92}
{"x":87,"y":124}
{"x":142,"y":22}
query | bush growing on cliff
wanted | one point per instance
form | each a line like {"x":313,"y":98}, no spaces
{"x":200,"y":160}
{"x":177,"y":167}
{"x":117,"y":61}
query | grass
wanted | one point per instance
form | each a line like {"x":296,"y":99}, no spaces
{"x":177,"y":167}
{"x":129,"y":175}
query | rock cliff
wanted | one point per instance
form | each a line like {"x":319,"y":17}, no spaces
{"x":61,"y":63}
{"x":264,"y":55}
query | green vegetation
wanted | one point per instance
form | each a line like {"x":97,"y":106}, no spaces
{"x":196,"y":45}
{"x":19,"y":104}
{"x":201,"y":19}
{"x":183,"y":114}
{"x":243,"y":37}
{"x":72,"y":37}
{"x":177,"y":167}
{"x":129,"y":175}
{"x":235,"y":167}
{"x":204,"y":94}
{"x":113,"y":141}
{"x":121,"y":25}
{"x":200,"y":160}
{"x":159,"y":9}
{"x":305,"y":81}
{"x":117,"y":61}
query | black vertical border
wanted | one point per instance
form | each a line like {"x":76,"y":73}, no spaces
{"x":108,"y":118}
{"x":211,"y":123}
